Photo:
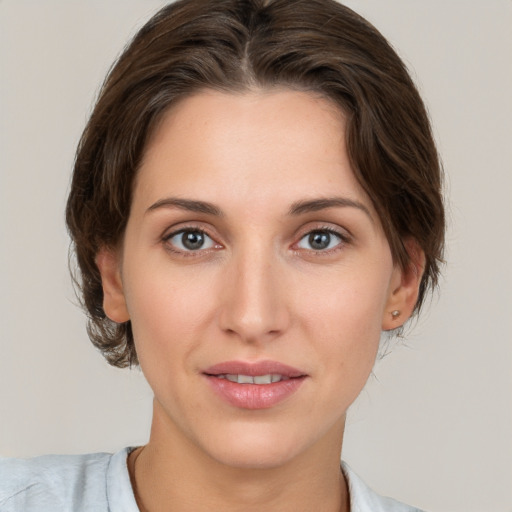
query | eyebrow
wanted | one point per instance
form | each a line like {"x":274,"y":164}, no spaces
{"x":187,"y":204}
{"x":315,"y":205}
{"x":297,"y":208}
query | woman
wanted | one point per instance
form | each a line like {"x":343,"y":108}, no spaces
{"x":256,"y":198}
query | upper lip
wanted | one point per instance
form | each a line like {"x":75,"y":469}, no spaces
{"x":254,"y":369}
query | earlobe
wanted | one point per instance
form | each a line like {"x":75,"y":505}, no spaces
{"x":114,"y":302}
{"x":404,"y":289}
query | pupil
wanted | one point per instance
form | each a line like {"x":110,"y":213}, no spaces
{"x":193,"y":240}
{"x":319,"y":240}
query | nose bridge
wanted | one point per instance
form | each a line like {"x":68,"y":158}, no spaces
{"x":254,"y":306}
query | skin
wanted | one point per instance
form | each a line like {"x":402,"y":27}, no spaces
{"x":256,"y":290}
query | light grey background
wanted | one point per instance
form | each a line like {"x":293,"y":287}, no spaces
{"x":434,"y":426}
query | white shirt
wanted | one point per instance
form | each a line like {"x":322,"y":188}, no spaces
{"x":100,"y":482}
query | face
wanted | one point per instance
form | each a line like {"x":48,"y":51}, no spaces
{"x":256,"y":275}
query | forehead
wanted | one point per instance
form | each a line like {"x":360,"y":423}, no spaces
{"x":260,"y":143}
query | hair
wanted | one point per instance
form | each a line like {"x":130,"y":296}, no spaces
{"x":317,"y":46}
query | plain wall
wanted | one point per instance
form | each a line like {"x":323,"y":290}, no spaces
{"x":433,"y":427}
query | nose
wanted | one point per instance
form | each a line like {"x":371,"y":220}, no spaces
{"x":253,"y":305}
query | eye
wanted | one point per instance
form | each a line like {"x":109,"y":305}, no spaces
{"x":320,"y":240}
{"x":188,"y":240}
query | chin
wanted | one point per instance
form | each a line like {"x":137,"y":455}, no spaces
{"x":246,"y":457}
{"x":257,"y":447}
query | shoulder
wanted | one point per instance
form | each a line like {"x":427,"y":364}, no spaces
{"x":364,"y":499}
{"x":54,"y":482}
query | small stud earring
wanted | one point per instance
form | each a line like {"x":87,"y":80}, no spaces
{"x":395,"y":314}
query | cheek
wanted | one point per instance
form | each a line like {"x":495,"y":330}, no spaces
{"x":167,"y":309}
{"x":351,"y":305}
{"x":344,"y":321}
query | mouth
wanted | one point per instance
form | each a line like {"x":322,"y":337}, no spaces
{"x":254,"y":385}
{"x":252,"y":379}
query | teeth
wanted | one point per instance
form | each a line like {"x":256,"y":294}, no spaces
{"x":249,"y":379}
{"x":262,"y":379}
{"x":245,"y":379}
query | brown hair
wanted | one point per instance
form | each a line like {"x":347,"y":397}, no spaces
{"x":234,"y":45}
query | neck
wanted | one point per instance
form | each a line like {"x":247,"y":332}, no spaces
{"x":171,"y":473}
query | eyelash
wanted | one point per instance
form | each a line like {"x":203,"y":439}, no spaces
{"x":190,"y":253}
{"x":344,"y":239}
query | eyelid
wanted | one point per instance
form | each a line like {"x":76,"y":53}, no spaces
{"x":176,"y":230}
{"x":343,"y":234}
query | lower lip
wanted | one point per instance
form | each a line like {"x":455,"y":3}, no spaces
{"x":254,"y":396}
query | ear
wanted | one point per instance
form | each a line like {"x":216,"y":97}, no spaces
{"x":404,"y":288}
{"x":114,"y":302}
